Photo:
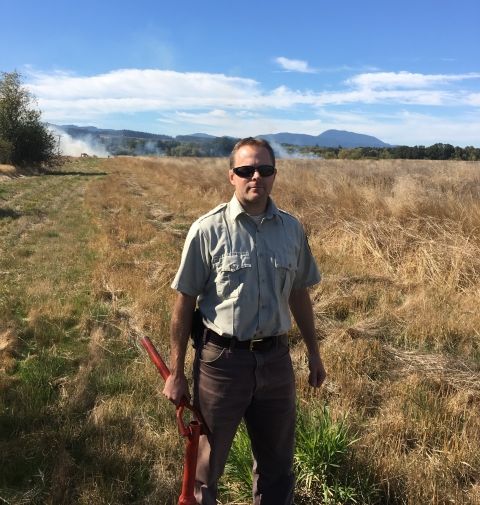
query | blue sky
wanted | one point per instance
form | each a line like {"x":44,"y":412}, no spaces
{"x":407,"y":72}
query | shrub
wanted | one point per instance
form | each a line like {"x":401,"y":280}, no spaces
{"x":24,"y":140}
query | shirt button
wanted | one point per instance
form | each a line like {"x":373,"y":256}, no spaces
{"x":289,"y":265}
{"x":264,"y":306}
{"x":263,"y":281}
{"x":261,"y":332}
{"x":261,"y":255}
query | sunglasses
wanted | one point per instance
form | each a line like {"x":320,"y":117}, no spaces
{"x":244,"y":172}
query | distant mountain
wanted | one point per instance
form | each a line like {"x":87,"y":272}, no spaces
{"x":329,"y":138}
{"x":203,"y":135}
{"x":80,"y":131}
{"x":193,"y":138}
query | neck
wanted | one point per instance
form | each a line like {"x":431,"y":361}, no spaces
{"x":255,"y":208}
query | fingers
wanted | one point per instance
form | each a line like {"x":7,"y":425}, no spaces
{"x":317,"y":374}
{"x":176,"y":389}
{"x":316,"y":379}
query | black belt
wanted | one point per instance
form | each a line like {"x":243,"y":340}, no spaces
{"x":255,"y":344}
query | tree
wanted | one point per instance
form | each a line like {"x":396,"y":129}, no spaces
{"x":24,"y":139}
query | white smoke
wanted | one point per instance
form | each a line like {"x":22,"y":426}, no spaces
{"x":70,"y":146}
{"x":149,"y":149}
{"x":281,"y":152}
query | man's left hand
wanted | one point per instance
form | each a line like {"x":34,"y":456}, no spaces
{"x":317,"y":371}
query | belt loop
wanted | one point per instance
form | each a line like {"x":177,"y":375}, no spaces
{"x":232,"y":346}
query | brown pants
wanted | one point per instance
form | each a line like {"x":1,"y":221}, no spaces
{"x":256,"y":386}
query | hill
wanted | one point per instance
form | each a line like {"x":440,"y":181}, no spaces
{"x":81,"y":131}
{"x":329,"y":138}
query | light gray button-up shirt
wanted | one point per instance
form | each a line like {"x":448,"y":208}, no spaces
{"x":242,"y":274}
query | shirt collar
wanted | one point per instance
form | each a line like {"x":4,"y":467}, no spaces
{"x":236,"y":209}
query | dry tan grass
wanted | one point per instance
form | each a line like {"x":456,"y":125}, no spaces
{"x":7,"y":169}
{"x":399,"y":248}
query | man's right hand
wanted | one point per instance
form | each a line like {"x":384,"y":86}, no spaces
{"x":176,"y":387}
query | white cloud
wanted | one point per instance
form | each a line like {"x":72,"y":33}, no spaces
{"x":294,"y":65}
{"x":237,"y":106}
{"x":474,"y":99}
{"x":130,"y":91}
{"x":229,"y":124}
{"x":391,"y":80}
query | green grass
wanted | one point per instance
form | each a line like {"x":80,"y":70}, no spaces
{"x":322,"y":463}
{"x":44,"y":297}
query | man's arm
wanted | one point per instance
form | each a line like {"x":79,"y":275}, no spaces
{"x":176,"y":385}
{"x":301,"y":307}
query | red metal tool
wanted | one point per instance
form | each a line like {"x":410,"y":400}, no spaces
{"x":191,"y":432}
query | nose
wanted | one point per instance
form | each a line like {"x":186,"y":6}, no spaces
{"x":256,"y":174}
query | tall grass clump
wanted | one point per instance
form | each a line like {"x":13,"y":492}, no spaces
{"x":324,"y":472}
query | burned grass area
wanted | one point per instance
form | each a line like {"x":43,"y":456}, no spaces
{"x":86,"y":262}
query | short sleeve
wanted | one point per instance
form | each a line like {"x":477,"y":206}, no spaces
{"x":194,"y":268}
{"x":307,"y":273}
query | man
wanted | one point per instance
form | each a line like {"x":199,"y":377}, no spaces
{"x":246,"y":262}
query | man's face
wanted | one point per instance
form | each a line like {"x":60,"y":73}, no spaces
{"x":253,"y":191}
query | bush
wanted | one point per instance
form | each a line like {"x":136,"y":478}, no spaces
{"x":24,"y":140}
{"x":6,"y":149}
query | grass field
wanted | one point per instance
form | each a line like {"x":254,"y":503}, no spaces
{"x":86,"y":259}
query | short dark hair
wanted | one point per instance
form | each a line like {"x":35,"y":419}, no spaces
{"x":253,"y":142}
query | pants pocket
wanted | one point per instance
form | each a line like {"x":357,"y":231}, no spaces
{"x":211,"y":352}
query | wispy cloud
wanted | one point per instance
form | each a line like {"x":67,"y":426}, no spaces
{"x":133,"y":90}
{"x":391,"y":80}
{"x":294,"y":65}
{"x":231,"y":105}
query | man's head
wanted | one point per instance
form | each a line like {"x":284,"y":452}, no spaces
{"x":252,"y":191}
{"x":252,"y":142}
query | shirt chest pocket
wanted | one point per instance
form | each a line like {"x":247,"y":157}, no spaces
{"x":231,"y":271}
{"x":285,"y":268}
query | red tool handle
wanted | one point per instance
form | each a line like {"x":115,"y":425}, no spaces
{"x":165,"y":373}
{"x":192,"y":432}
{"x":156,"y":358}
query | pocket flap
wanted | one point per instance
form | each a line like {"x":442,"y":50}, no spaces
{"x":231,"y":262}
{"x":288,"y":261}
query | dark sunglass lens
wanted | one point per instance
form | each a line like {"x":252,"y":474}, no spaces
{"x":266,"y":170}
{"x":244,"y":171}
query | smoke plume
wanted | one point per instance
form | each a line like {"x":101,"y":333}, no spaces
{"x":70,"y":146}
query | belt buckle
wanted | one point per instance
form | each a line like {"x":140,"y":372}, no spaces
{"x":250,"y":348}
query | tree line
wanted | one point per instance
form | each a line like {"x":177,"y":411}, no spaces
{"x":437,"y":151}
{"x":121,"y":146}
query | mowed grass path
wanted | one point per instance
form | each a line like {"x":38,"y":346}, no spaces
{"x":45,"y":289}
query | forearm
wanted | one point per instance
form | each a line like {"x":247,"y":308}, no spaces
{"x":302,"y":311}
{"x":180,"y":329}
{"x":176,"y":386}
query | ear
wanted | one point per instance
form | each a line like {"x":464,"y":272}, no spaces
{"x":231,"y":176}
